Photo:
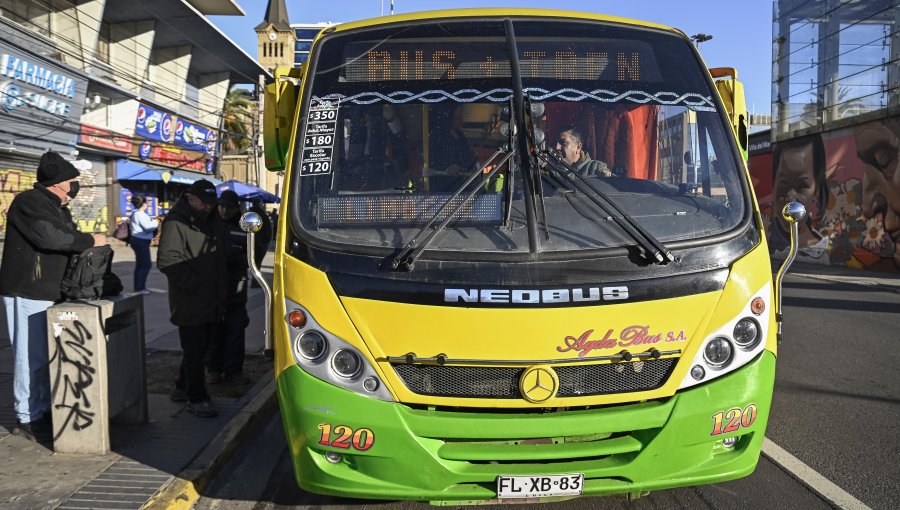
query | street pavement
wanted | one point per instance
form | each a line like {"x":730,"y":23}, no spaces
{"x":144,"y":459}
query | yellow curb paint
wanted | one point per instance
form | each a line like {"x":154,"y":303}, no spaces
{"x":179,"y":495}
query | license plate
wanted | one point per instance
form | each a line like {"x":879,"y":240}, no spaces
{"x":539,"y":486}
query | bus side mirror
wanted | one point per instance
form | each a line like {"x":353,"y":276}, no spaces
{"x":278,"y":117}
{"x":732,"y":93}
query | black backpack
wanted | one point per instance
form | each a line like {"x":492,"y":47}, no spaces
{"x":89,"y":275}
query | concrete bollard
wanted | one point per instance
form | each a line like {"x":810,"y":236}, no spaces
{"x":97,"y":370}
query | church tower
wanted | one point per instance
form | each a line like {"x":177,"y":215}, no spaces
{"x":276,"y":37}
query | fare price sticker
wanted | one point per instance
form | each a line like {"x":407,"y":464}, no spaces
{"x":318,"y":142}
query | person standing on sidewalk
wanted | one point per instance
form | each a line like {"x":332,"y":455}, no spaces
{"x":191,"y":255}
{"x":225,"y":359}
{"x":40,"y":237}
{"x":143,"y":228}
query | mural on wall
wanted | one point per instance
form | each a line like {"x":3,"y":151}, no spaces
{"x":849,"y":182}
{"x":12,"y":182}
{"x":89,"y":209}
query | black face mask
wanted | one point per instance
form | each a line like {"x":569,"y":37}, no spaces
{"x":74,"y":186}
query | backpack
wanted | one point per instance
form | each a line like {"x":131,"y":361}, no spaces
{"x":89,"y":275}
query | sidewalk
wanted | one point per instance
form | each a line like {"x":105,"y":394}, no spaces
{"x":886,"y":281}
{"x":145,"y":459}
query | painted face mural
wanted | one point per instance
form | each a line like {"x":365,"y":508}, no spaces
{"x":799,"y":174}
{"x":849,"y":182}
{"x":878,"y":147}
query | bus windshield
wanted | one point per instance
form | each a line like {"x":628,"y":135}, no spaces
{"x":398,"y":119}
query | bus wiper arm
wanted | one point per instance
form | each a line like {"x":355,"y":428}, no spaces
{"x":408,"y":255}
{"x":654,"y":248}
{"x":537,"y":187}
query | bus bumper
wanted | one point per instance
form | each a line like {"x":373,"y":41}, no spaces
{"x":392,"y":451}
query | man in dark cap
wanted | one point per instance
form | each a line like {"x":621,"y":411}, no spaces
{"x":225,"y":360}
{"x":191,"y":255}
{"x":40,"y":237}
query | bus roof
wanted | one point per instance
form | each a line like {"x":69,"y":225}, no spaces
{"x":494,"y":12}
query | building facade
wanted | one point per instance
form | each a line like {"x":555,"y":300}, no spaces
{"x":137,"y":88}
{"x":836,"y":131}
{"x":305,"y":33}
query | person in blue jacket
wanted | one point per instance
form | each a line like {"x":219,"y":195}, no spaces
{"x":142,"y":228}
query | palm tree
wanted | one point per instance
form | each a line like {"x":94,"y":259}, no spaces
{"x":238,"y":114}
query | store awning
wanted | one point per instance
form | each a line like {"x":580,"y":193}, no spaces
{"x":127,"y":170}
{"x":247,"y":191}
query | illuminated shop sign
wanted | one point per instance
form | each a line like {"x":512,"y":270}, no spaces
{"x":41,"y":100}
{"x":159,"y":126}
{"x":34,"y":85}
{"x":172,"y":141}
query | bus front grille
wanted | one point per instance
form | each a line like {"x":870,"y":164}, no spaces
{"x":503,"y":382}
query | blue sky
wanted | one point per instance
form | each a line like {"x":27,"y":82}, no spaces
{"x":742,"y":36}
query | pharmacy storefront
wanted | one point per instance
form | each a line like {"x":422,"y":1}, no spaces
{"x":41,"y":102}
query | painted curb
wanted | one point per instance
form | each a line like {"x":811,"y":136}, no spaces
{"x":184,"y":491}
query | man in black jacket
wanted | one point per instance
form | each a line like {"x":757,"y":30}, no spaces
{"x":40,"y":237}
{"x":191,"y":255}
{"x":226,"y":354}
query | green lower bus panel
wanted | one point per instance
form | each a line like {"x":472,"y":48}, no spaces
{"x":349,"y":445}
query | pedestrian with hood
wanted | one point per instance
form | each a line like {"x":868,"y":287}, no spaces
{"x":40,"y":238}
{"x":225,"y":359}
{"x":191,"y":255}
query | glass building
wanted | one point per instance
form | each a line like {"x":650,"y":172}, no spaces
{"x":305,"y":33}
{"x":835,"y":63}
{"x":835,"y":138}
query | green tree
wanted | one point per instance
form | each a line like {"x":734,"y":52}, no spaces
{"x":237,"y":121}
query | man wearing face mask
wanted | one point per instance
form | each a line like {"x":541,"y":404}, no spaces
{"x":192,"y":256}
{"x":40,"y":237}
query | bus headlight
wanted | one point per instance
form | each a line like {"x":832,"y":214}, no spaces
{"x":346,"y":363}
{"x":718,"y":352}
{"x":732,"y":344}
{"x":746,"y":333}
{"x":330,"y":358}
{"x":312,"y":345}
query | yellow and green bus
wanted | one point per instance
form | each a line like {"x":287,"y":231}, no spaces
{"x":519,"y":258}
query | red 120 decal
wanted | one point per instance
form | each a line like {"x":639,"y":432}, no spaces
{"x":344,"y":437}
{"x":731,"y":420}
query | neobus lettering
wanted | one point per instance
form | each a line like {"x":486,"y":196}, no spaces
{"x":534,"y":296}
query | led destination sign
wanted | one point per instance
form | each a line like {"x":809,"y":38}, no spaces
{"x":595,"y":59}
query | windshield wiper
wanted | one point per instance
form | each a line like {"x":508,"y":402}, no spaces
{"x":525,"y":158}
{"x":408,"y":255}
{"x":654,"y":249}
{"x":537,"y":185}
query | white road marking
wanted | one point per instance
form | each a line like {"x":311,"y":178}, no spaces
{"x":812,"y":479}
